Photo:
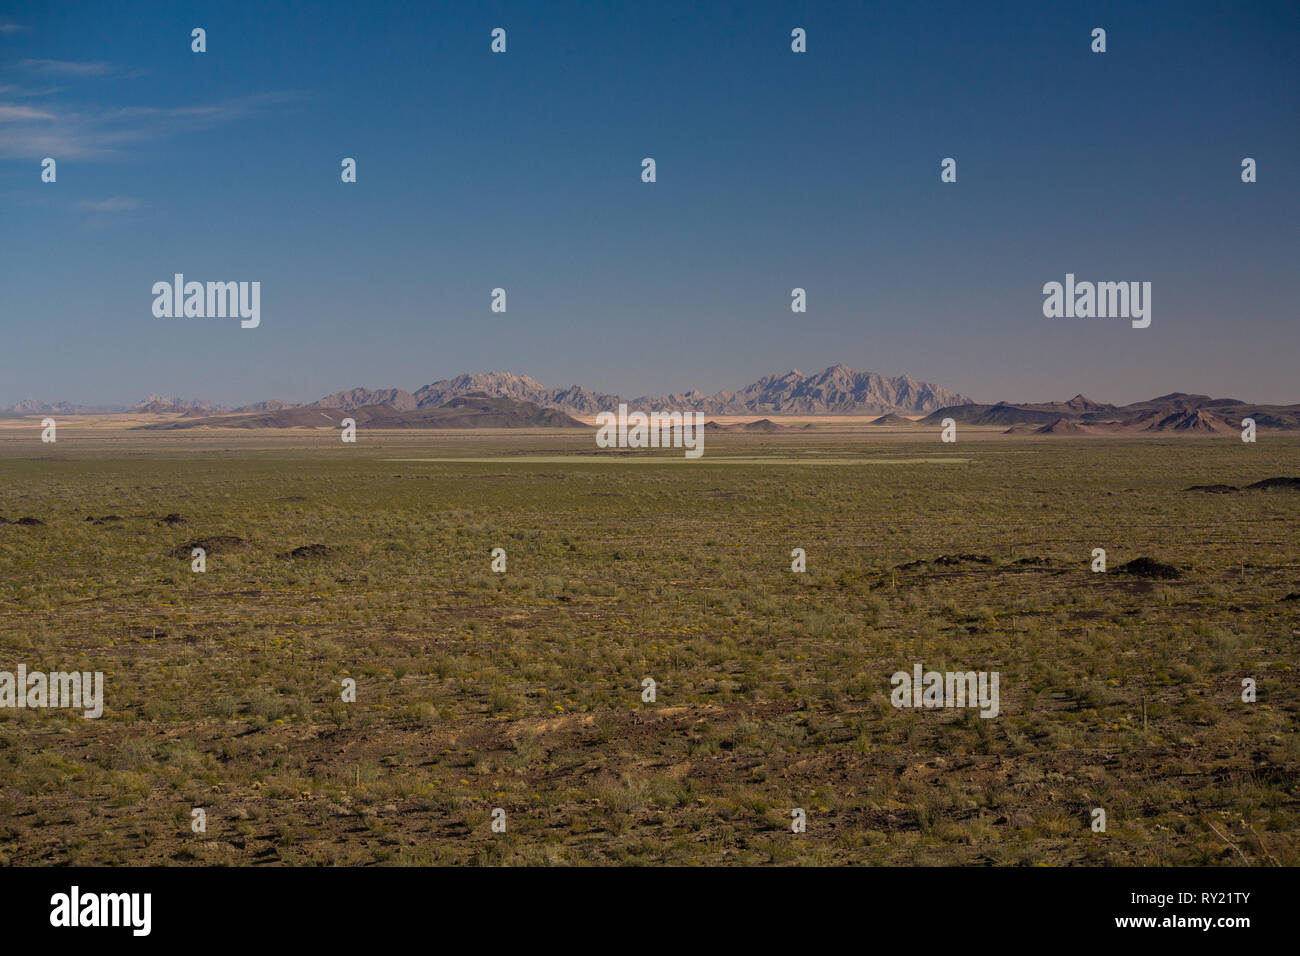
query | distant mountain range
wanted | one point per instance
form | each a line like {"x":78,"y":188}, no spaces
{"x":1176,"y":412}
{"x":464,"y":411}
{"x":502,"y":399}
{"x":154,"y":404}
{"x":837,"y":390}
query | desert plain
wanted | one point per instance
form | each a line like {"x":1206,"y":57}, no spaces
{"x":522,"y":690}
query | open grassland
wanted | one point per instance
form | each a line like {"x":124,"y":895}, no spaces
{"x":522,"y":690}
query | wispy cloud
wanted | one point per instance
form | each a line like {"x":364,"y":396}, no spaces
{"x":104,"y":134}
{"x":9,"y":114}
{"x":9,"y":89}
{"x":222,"y":112}
{"x":114,"y":204}
{"x":11,"y":27}
{"x":66,"y":67}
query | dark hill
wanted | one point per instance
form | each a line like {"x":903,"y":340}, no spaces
{"x":1177,"y":412}
{"x":465,"y":411}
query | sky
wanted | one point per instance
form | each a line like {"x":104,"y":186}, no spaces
{"x":522,"y":170}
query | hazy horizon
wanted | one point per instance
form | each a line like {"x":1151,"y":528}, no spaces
{"x":979,"y":400}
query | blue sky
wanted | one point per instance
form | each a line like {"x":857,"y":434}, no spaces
{"x":522,"y":170}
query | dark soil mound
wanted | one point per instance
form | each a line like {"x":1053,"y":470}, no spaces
{"x":310,"y":551}
{"x":172,"y":519}
{"x":950,"y":559}
{"x":1150,"y":568}
{"x":1213,"y":489}
{"x":30,"y":522}
{"x":1279,"y":482}
{"x":947,"y":560}
{"x":216,"y":544}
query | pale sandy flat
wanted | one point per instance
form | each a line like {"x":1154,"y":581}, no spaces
{"x":672,"y":459}
{"x":788,"y":420}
